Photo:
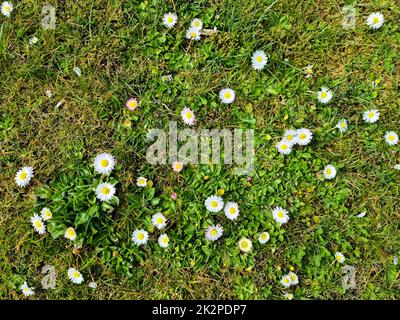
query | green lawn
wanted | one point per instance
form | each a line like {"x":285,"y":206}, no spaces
{"x":124,"y":50}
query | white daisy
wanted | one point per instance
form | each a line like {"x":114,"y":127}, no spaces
{"x":375,"y":20}
{"x":280,"y":215}
{"x":245,"y":244}
{"x":395,"y":260}
{"x":177,"y":166}
{"x":70,"y":234}
{"x":291,"y":136}
{"x":284,"y":146}
{"x":104,"y":163}
{"x":26,"y":290}
{"x":33,"y":40}
{"x":264,"y":237}
{"x":159,"y":220}
{"x":227,"y":95}
{"x":303,"y":136}
{"x":169,"y":20}
{"x":339,"y":257}
{"x":214,"y":232}
{"x":141,"y":182}
{"x":231,"y":210}
{"x":391,"y":138}
{"x":38,"y":224}
{"x":371,"y":116}
{"x":23,"y":176}
{"x":342,"y":125}
{"x":324,"y":95}
{"x":293,"y":278}
{"x":329,"y":172}
{"x":308,"y":71}
{"x":46,"y":214}
{"x":288,"y":296}
{"x":163,"y":241}
{"x":92,"y":285}
{"x":105,"y":191}
{"x":75,"y":276}
{"x":286,"y":281}
{"x":196,"y":24}
{"x":140,"y":236}
{"x":188,"y":116}
{"x":193,"y":33}
{"x":214,"y":204}
{"x":6,"y":8}
{"x":259,"y":60}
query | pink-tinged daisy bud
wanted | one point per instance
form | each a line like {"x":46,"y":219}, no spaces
{"x":132,"y":104}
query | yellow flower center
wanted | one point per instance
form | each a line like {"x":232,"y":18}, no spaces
{"x":214,"y":204}
{"x":189,"y":115}
{"x":286,"y":280}
{"x":280,"y":214}
{"x":165,"y":240}
{"x":75,"y":274}
{"x":192,"y":34}
{"x":160,"y":220}
{"x":289,"y":137}
{"x":196,"y":23}
{"x":71,"y":233}
{"x":213,"y":232}
{"x":140,"y":236}
{"x":342,"y":125}
{"x":178,"y":166}
{"x":47,"y":213}
{"x":232,"y":210}
{"x":7,"y":8}
{"x":245,"y":245}
{"x":284,"y":147}
{"x":376,"y":20}
{"x":259,"y":59}
{"x":23,"y":175}
{"x":370,"y":115}
{"x":309,"y":70}
{"x":263,"y":236}
{"x":105,"y":190}
{"x":328,"y":171}
{"x":302,"y":136}
{"x":104,"y":163}
{"x":38,"y":224}
{"x":227,"y":95}
{"x":132,"y":104}
{"x":391,"y":138}
{"x":324,"y":95}
{"x":170,"y":20}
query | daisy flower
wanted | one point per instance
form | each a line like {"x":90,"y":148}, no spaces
{"x":286,"y":281}
{"x":231,"y":210}
{"x":188,"y":116}
{"x":131,"y":104}
{"x":6,"y":8}
{"x":23,"y":176}
{"x":38,"y":224}
{"x":92,"y":285}
{"x":196,"y":24}
{"x":280,"y":215}
{"x":371,"y":116}
{"x":214,"y":232}
{"x":193,"y":33}
{"x":140,"y":236}
{"x":342,"y":125}
{"x":308,"y":71}
{"x":163,"y":240}
{"x":259,"y":60}
{"x":46,"y":214}
{"x":375,"y":20}
{"x":105,"y":191}
{"x":104,"y":163}
{"x":177,"y":166}
{"x":294,"y":279}
{"x":141,"y":182}
{"x":284,"y":146}
{"x":391,"y":138}
{"x":339,"y":257}
{"x":33,"y":40}
{"x":75,"y":276}
{"x":159,"y":220}
{"x":227,"y":95}
{"x":324,"y":95}
{"x":245,"y":244}
{"x":169,"y":19}
{"x":329,"y":172}
{"x":304,"y":136}
{"x":288,"y":296}
{"x":264,"y":237}
{"x":291,"y":136}
{"x":70,"y":234}
{"x":26,"y":290}
{"x":214,"y":204}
